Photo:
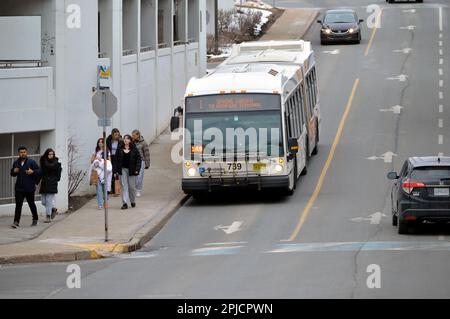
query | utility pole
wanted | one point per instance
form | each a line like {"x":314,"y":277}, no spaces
{"x":216,"y":26}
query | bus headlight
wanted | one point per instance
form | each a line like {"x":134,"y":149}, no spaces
{"x":351,"y":30}
{"x":278,"y":168}
{"x":191,"y":171}
{"x":187,"y":164}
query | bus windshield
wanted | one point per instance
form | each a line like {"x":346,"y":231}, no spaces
{"x":233,"y":124}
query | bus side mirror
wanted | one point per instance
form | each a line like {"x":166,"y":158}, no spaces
{"x":392,"y":175}
{"x":319,"y":21}
{"x":175,"y":120}
{"x":174,"y":123}
{"x":293,"y":145}
{"x":361,"y":20}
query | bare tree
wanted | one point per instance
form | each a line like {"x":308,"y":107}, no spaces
{"x":76,"y":176}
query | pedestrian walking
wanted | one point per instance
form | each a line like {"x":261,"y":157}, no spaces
{"x":144,"y":151}
{"x":98,"y":152}
{"x":27,"y":172}
{"x":51,"y":175}
{"x":129,"y":165}
{"x":114,"y":142}
{"x":101,"y":181}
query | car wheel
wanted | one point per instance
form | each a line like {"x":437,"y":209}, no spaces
{"x":403,"y":228}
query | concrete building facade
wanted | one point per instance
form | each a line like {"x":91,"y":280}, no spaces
{"x":153,"y":47}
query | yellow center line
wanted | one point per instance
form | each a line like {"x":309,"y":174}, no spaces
{"x":316,"y":192}
{"x":374,"y":31}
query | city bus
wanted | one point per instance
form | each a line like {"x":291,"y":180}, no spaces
{"x":252,"y":122}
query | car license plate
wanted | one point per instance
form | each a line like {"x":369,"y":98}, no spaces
{"x":441,"y":192}
{"x":259,"y":166}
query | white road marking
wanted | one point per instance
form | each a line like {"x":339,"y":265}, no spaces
{"x":410,"y":27}
{"x":386,"y":157}
{"x":441,"y":83}
{"x":441,"y":52}
{"x":440,"y":43}
{"x":409,"y":11}
{"x":441,"y":139}
{"x":396,"y":109}
{"x":441,"y":95}
{"x":441,"y":123}
{"x":441,"y":108}
{"x":210,"y":251}
{"x":440,"y":19}
{"x":234,"y":227}
{"x":440,"y":35}
{"x":401,"y":78}
{"x":374,"y":219}
{"x":441,"y":72}
{"x":334,"y":52}
{"x":226,"y":243}
{"x":405,"y":50}
{"x":441,"y":237}
{"x":440,"y":154}
{"x":441,"y":61}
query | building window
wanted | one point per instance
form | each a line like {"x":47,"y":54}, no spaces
{"x":9,"y":143}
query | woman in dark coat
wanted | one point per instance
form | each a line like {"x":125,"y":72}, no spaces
{"x":51,"y":174}
{"x":129,"y":164}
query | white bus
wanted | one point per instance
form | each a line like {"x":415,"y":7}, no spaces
{"x":253,"y":122}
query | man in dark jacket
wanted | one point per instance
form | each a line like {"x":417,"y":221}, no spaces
{"x":27,"y":172}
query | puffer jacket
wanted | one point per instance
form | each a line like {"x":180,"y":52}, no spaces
{"x":144,"y":151}
{"x":51,"y":175}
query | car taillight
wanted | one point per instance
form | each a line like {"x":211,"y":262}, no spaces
{"x":408,"y":186}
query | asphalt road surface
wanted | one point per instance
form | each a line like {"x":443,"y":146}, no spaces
{"x":269,"y":247}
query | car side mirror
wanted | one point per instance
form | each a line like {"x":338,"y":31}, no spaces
{"x":293,"y":145}
{"x":361,"y":20}
{"x":392,"y":175}
{"x":319,"y":21}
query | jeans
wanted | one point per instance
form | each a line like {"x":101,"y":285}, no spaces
{"x":140,"y":178}
{"x":128,"y":184}
{"x":100,"y":191}
{"x":47,"y":201}
{"x":19,"y":203}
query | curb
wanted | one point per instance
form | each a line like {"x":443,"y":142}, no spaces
{"x":310,"y":23}
{"x":139,"y":239}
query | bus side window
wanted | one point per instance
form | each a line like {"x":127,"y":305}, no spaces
{"x":297,"y":112}
{"x":288,"y":119}
{"x":310,"y":93}
{"x":300,"y":107}
{"x":292,"y":118}
{"x":316,"y":88}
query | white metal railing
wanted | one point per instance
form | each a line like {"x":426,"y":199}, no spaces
{"x":162,"y":45}
{"x":7,"y":64}
{"x":102,"y":55}
{"x":7,"y":182}
{"x":147,"y":49}
{"x":128,"y":52}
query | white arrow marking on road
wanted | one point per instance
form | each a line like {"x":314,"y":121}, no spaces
{"x":374,"y":219}
{"x":410,"y":27}
{"x":234,"y":227}
{"x":396,"y":109}
{"x":401,"y":78}
{"x":405,"y":50}
{"x":332,"y":52}
{"x":386,"y":157}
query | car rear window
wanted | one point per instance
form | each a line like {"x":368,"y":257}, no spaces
{"x":430,"y":173}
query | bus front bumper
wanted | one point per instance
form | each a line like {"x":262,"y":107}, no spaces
{"x":191,"y":185}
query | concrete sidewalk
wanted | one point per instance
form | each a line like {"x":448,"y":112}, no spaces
{"x":80,"y":235}
{"x":292,"y":25}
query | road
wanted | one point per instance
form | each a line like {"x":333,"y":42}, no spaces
{"x":268,"y":247}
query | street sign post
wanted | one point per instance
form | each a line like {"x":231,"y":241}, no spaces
{"x":104,"y":105}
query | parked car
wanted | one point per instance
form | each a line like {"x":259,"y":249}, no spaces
{"x":421,"y":192}
{"x":340,"y":25}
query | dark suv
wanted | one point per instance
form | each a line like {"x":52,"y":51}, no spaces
{"x":421,"y":192}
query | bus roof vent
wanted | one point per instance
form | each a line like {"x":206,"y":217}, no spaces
{"x":273,"y":72}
